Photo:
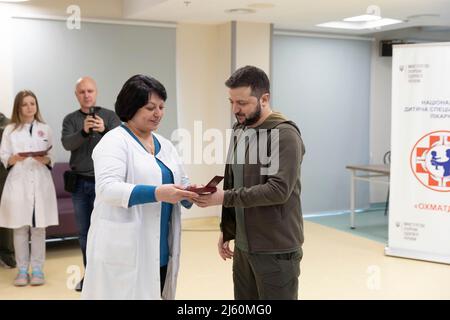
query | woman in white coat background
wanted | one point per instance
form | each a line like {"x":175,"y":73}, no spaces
{"x":133,"y":245}
{"x":28,"y":204}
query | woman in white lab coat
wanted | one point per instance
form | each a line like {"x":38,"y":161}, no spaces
{"x":28,"y":203}
{"x":133,"y":246}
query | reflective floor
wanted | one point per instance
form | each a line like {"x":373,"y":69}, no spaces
{"x":336,"y":265}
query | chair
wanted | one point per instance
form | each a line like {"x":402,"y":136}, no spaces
{"x":67,"y":223}
{"x":387,"y":160}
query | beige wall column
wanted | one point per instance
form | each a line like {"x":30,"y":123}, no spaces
{"x":206,"y":56}
{"x":253,"y":43}
{"x":203,"y":65}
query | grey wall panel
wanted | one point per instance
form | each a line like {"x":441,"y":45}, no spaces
{"x":49,"y":58}
{"x":324,"y":86}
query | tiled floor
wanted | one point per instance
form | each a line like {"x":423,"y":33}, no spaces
{"x":336,"y":265}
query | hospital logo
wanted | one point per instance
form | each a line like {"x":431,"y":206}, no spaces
{"x":430,"y":160}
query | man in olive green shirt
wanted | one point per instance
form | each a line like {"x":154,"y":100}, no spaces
{"x":261,"y":207}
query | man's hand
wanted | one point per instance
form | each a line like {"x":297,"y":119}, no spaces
{"x":99,"y":124}
{"x":213,"y":199}
{"x":96,"y":124}
{"x":224,"y":248}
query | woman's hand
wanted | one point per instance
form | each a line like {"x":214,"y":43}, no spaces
{"x":14,"y":159}
{"x":194,"y":186}
{"x":44,"y":160}
{"x":173,"y":193}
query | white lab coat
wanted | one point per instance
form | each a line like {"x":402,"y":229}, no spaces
{"x":123,"y":243}
{"x":29,"y":184}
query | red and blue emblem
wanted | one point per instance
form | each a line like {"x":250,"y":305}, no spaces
{"x":430,"y":160}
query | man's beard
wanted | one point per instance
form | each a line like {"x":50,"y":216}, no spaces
{"x":252,"y":118}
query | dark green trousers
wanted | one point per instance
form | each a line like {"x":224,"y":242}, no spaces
{"x":266,"y":276}
{"x":6,"y":242}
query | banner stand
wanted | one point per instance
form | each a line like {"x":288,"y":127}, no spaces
{"x":419,"y":203}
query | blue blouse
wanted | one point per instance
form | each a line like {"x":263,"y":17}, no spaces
{"x":146,"y":193}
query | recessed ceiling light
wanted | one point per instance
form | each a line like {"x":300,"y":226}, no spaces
{"x":363,"y":18}
{"x":359,"y":25}
{"x":261,"y":5}
{"x":382,"y":22}
{"x":240,"y":11}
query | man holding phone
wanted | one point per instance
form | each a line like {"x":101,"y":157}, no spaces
{"x":261,"y":209}
{"x":82,"y":130}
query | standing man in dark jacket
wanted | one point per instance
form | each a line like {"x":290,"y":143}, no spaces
{"x":82,"y":130}
{"x":261,"y":208}
{"x":6,"y":235}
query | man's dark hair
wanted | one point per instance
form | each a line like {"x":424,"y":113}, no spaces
{"x":135,"y":94}
{"x":250,"y":76}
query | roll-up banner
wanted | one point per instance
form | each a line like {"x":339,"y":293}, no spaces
{"x":419,"y":211}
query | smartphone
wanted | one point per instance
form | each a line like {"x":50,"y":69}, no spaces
{"x":92,"y":111}
{"x":209,"y":188}
{"x":92,"y":114}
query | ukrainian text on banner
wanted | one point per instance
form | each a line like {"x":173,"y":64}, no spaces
{"x":419,"y":212}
